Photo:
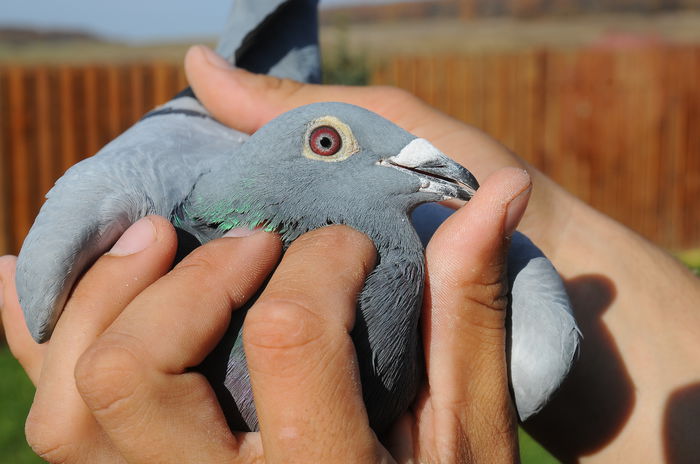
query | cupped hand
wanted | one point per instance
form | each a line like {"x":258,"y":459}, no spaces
{"x":114,"y":384}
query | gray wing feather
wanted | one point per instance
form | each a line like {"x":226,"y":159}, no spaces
{"x":544,"y":336}
{"x":97,"y":199}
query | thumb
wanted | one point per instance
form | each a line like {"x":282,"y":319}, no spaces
{"x":246,"y":101}
{"x":464,"y":315}
{"x":466,"y":257}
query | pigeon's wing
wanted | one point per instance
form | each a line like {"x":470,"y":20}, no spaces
{"x":148,"y":170}
{"x":151,"y":168}
{"x":543,"y":336}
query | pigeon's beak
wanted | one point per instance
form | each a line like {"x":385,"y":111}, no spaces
{"x":438,"y":173}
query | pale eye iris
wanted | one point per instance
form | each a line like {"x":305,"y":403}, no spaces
{"x":325,"y":141}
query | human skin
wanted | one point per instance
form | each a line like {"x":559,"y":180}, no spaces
{"x":114,"y":382}
{"x":634,"y":394}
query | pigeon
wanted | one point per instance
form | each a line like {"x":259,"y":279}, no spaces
{"x":320,"y":164}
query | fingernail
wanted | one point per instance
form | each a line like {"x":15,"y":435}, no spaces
{"x":214,"y":58}
{"x":238,"y":232}
{"x":515,"y":210}
{"x":138,"y":237}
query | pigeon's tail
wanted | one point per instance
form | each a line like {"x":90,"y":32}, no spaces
{"x":275,"y":37}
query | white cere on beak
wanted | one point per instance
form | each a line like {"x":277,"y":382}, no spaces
{"x":418,"y":152}
{"x":437,"y":173}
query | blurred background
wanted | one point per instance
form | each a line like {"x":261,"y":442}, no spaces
{"x":602,"y":95}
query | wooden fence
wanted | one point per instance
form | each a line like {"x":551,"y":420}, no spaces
{"x":53,"y":116}
{"x":620,"y":129}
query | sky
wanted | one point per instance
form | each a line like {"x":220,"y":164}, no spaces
{"x":132,"y":20}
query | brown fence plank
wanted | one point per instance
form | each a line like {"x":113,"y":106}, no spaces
{"x":181,"y":79}
{"x":92,"y":112}
{"x":163,"y":82}
{"x":137,"y":93}
{"x":5,"y":192}
{"x":115,"y":107}
{"x":691,"y":179}
{"x":44,"y":131}
{"x":21,"y":188}
{"x":67,"y":114}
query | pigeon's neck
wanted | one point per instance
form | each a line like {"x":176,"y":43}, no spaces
{"x":240,"y":195}
{"x":386,"y":329}
{"x":386,"y":326}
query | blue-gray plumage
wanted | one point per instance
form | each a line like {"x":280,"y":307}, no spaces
{"x":325,"y":163}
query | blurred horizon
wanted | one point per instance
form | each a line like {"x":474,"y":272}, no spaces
{"x":165,"y":21}
{"x":115,"y":21}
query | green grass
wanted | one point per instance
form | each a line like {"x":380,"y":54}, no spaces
{"x":692,"y":259}
{"x":16,"y":393}
{"x":531,"y":452}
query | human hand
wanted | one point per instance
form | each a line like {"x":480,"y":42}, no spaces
{"x":114,"y":383}
{"x":623,"y":398}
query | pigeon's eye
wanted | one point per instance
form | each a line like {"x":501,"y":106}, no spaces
{"x":325,"y":141}
{"x":329,"y":139}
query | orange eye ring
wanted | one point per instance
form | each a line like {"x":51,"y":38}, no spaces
{"x":325,"y":141}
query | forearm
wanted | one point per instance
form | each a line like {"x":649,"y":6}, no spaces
{"x":637,"y":308}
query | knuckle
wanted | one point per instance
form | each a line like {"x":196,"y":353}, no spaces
{"x":290,"y":87}
{"x":222,"y":272}
{"x":285,"y":340}
{"x":107,"y":374}
{"x":490,"y":295}
{"x":203,"y":260}
{"x":281,"y":325}
{"x":486,"y":305}
{"x":286,"y":87}
{"x":50,"y":442}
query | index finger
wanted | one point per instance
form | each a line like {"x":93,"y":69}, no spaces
{"x":301,"y":359}
{"x":135,"y":377}
{"x":22,"y":346}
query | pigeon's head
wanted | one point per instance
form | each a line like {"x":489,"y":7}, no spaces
{"x":332,"y":146}
{"x":332,"y":163}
